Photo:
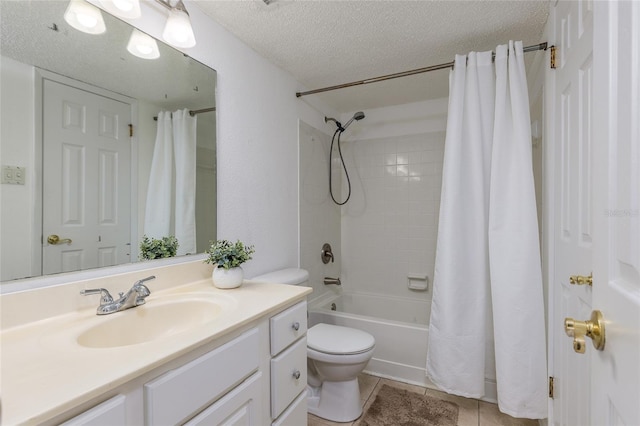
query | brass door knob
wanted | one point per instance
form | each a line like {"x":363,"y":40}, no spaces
{"x":54,"y":240}
{"x":581,"y":279}
{"x":593,"y":328}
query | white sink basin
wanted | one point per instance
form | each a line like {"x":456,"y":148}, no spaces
{"x":154,"y":320}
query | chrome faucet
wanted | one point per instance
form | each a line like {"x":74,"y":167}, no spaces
{"x":134,"y":297}
{"x":329,"y":281}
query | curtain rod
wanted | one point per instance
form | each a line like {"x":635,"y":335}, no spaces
{"x":533,"y":48}
{"x":194,"y":112}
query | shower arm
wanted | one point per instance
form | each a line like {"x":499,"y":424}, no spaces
{"x":328,"y":119}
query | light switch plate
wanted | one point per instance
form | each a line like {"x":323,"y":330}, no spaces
{"x":13,"y":175}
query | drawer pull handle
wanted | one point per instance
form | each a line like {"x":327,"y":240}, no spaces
{"x":296,"y":374}
{"x":296,"y":326}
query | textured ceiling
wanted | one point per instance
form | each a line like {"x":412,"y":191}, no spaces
{"x":323,"y":43}
{"x":27,"y":35}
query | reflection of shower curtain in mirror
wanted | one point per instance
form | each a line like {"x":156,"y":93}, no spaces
{"x":184,"y":148}
{"x":157,"y":215}
{"x":175,"y":140}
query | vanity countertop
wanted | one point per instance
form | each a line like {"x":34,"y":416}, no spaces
{"x":45,"y":372}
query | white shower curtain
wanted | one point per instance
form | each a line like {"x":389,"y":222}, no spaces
{"x":184,"y":136}
{"x":175,"y":149}
{"x":487,"y":294}
{"x":157,"y":214}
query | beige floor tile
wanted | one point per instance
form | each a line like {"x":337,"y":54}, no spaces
{"x":491,"y":416}
{"x":367,"y":384}
{"x":468,"y":408}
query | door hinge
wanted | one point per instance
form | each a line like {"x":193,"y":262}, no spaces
{"x":130,"y":130}
{"x":551,"y":387}
{"x":552,"y":56}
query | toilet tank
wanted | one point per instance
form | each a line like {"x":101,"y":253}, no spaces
{"x":293,"y":276}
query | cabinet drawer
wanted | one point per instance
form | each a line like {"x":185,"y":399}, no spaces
{"x":288,"y":376}
{"x":110,"y":412}
{"x":288,"y":326}
{"x":180,"y":393}
{"x":296,"y":414}
{"x":241,"y":406}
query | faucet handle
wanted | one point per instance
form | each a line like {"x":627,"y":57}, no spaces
{"x":106,"y":296}
{"x":142,"y":290}
{"x":139,"y":282}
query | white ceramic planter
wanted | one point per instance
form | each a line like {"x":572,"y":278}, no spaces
{"x":227,"y":278}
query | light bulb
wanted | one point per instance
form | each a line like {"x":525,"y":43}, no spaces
{"x":85,"y":20}
{"x":129,"y":9}
{"x":142,"y":45}
{"x":177,"y":30}
{"x":84,"y":17}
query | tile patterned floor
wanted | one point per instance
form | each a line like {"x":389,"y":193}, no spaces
{"x":472,"y":412}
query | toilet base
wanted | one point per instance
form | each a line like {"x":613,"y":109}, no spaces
{"x":335,"y":401}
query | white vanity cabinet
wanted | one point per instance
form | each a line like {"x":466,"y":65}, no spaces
{"x":288,"y":331}
{"x":109,"y":413}
{"x":255,"y":376}
{"x":179,"y":394}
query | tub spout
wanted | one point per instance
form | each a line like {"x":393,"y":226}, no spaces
{"x":329,"y":281}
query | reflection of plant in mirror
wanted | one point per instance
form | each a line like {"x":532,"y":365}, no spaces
{"x":152,"y":248}
{"x":228,"y":255}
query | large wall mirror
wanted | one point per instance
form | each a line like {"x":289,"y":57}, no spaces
{"x":70,"y":167}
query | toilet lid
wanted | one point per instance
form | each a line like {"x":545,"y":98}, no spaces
{"x":337,"y":340}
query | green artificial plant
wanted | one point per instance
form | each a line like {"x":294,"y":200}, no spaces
{"x":228,"y":255}
{"x":152,"y":248}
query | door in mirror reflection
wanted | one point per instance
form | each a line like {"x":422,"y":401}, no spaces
{"x":86,"y":179}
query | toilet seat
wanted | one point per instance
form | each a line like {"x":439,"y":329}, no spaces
{"x":336,"y":340}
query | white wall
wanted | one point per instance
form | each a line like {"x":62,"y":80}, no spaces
{"x":389,"y":227}
{"x":206,"y":204}
{"x":319,"y":216}
{"x":16,"y":149}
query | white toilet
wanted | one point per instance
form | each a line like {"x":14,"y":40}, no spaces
{"x":335,"y":357}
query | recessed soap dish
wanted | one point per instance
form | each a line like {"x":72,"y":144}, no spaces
{"x":418,"y":282}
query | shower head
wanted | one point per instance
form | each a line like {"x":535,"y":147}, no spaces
{"x":357,"y":116}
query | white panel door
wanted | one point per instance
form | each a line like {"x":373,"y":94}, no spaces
{"x":86,"y":179}
{"x":615,"y":388}
{"x":572,"y":187}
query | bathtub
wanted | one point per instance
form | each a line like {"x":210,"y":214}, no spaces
{"x":399,"y":325}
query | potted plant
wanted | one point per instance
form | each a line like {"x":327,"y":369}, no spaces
{"x":227,"y":258}
{"x":152,"y":248}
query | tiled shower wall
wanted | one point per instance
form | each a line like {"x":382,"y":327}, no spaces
{"x":388,"y":229}
{"x":390,"y":226}
{"x":319,"y":216}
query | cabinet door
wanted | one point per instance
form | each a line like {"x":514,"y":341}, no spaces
{"x":111,"y":412}
{"x":241,"y":406}
{"x":296,"y":414}
{"x":288,"y":376}
{"x":179,"y":394}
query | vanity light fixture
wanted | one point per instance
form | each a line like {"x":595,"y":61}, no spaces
{"x":84,"y":17}
{"x":177,"y":30}
{"x":129,"y":9}
{"x":142,"y":45}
